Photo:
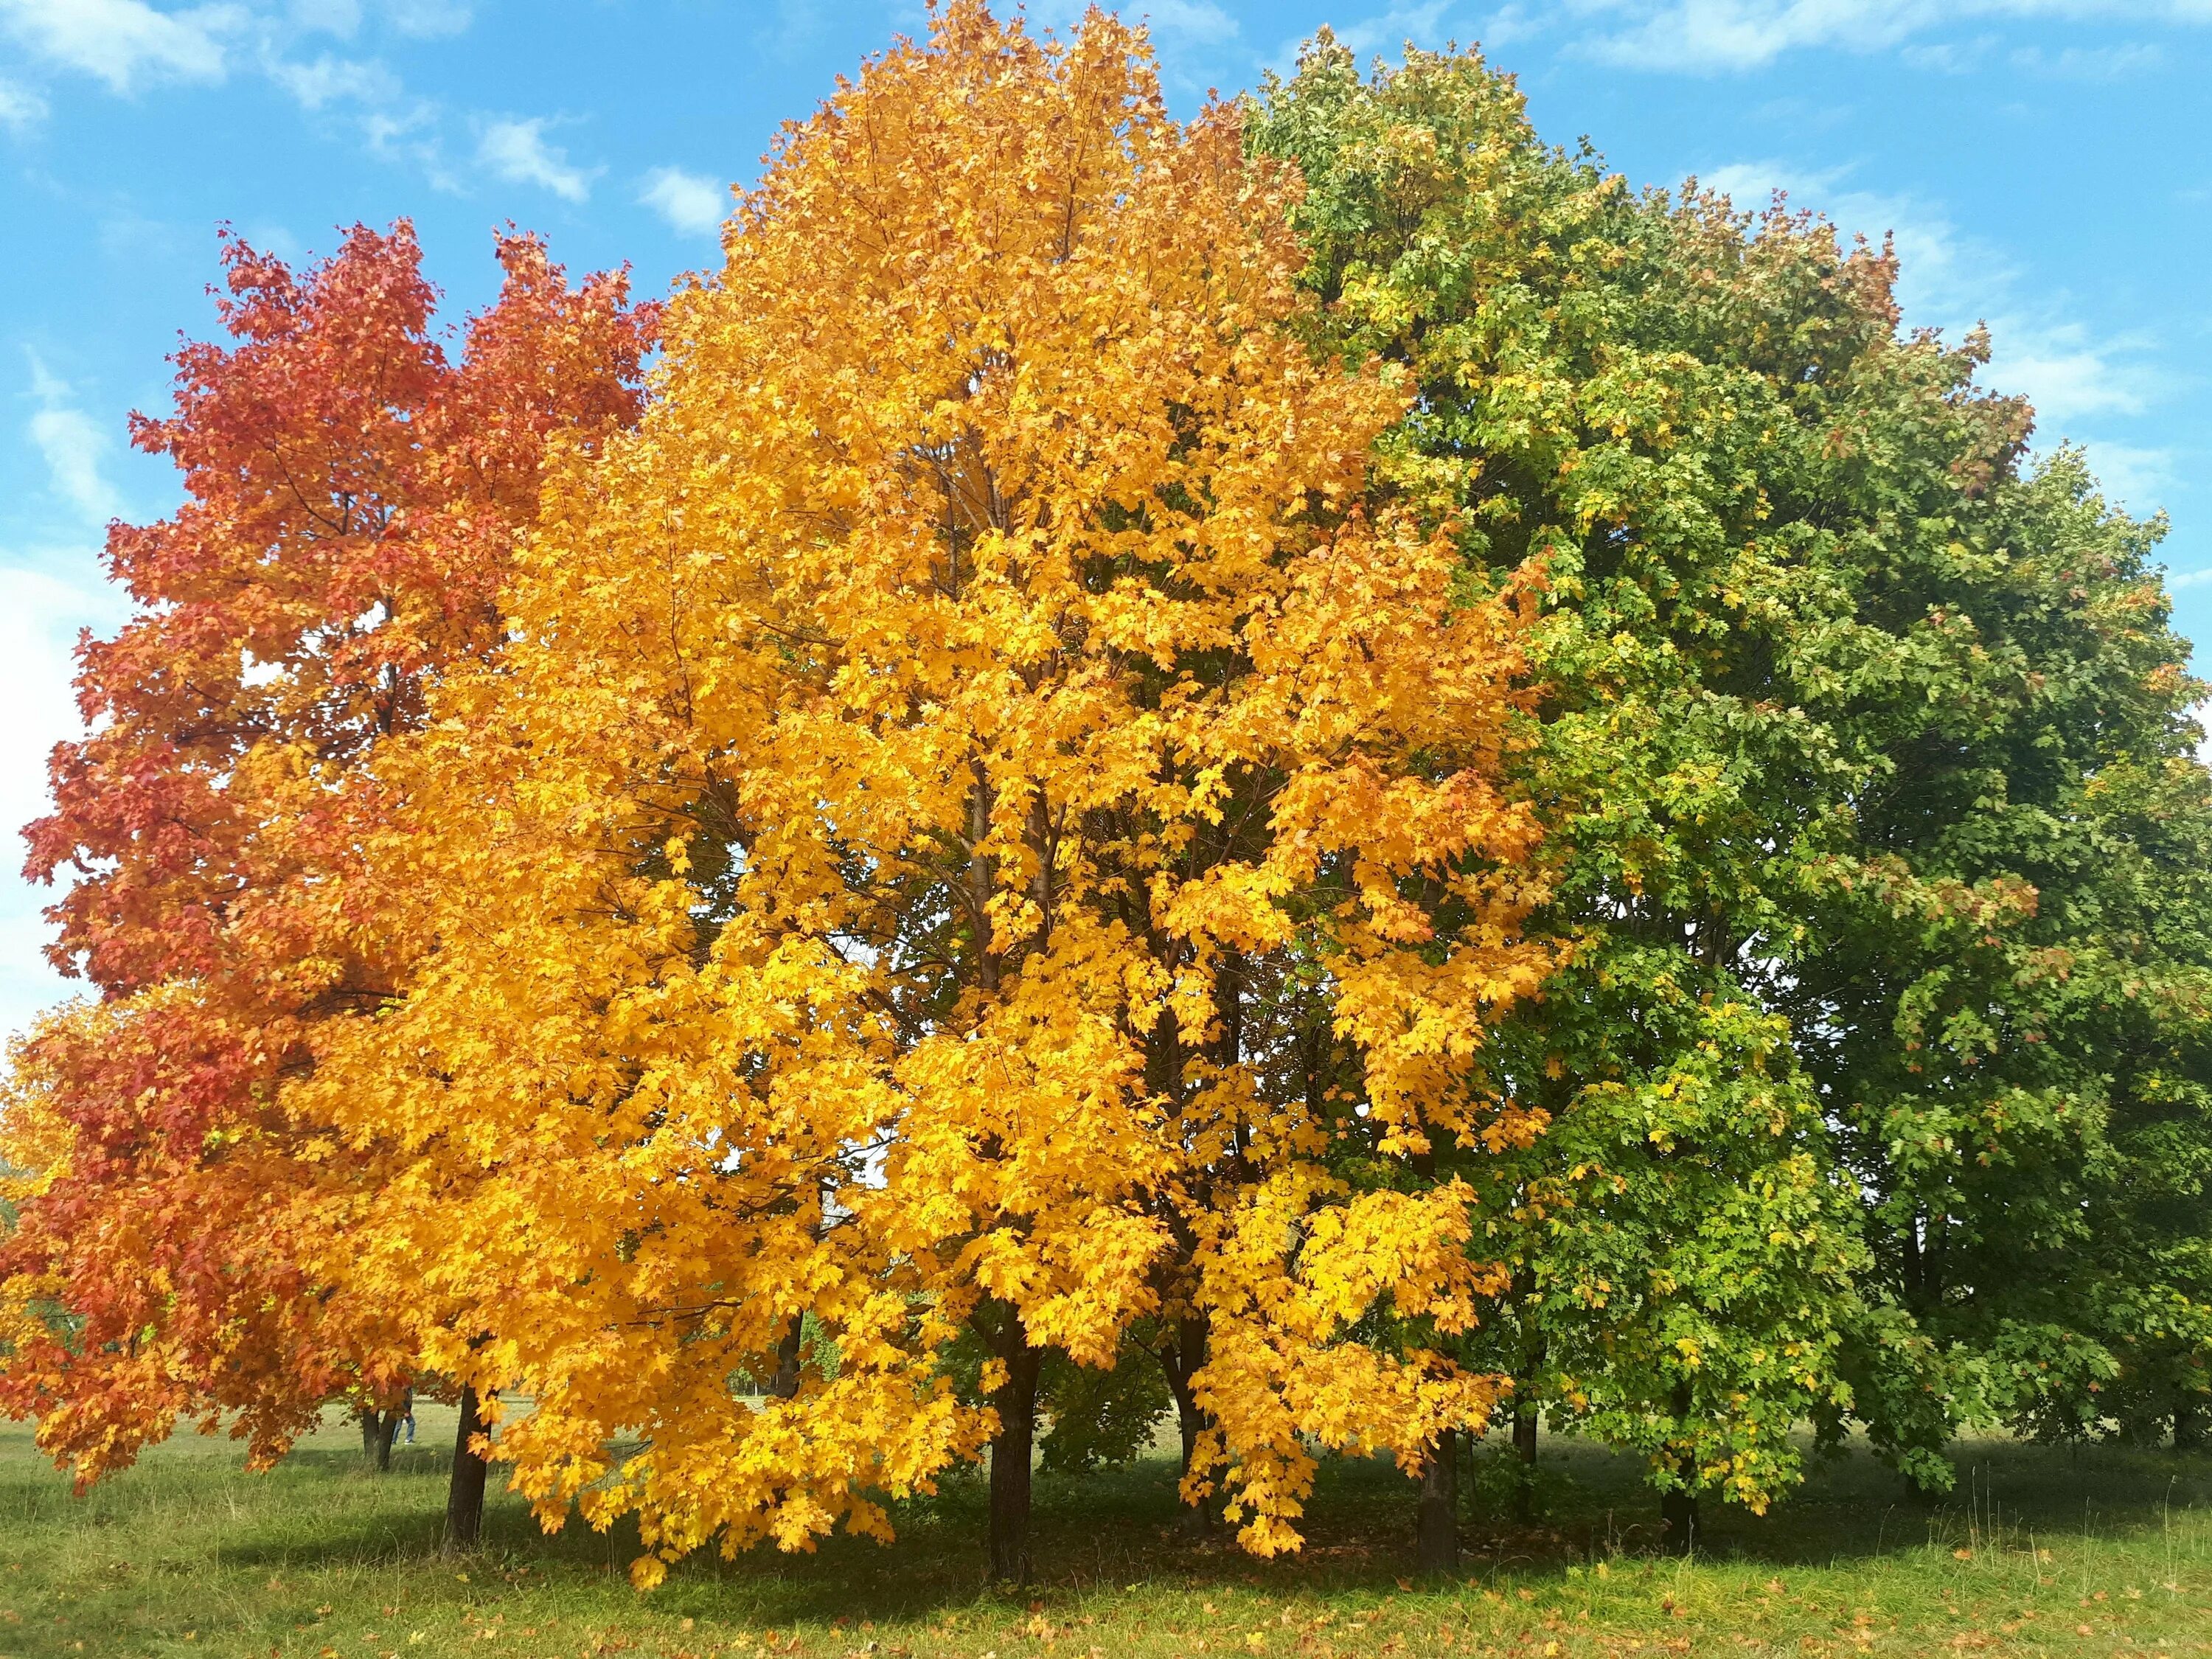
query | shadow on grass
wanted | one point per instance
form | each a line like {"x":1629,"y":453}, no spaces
{"x":1097,"y":1535}
{"x":1118,"y":1528}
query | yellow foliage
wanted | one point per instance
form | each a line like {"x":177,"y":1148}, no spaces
{"x":981,"y":817}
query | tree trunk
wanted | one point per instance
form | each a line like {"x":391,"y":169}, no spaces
{"x":784,"y":1385}
{"x":1524,"y":1462}
{"x":1678,"y":1521}
{"x":464,"y":1490}
{"x":1191,"y":1425}
{"x":1015,"y":1401}
{"x":1527,"y":1409}
{"x":1437,"y":1532}
{"x":1182,"y":1363}
{"x":2189,"y":1423}
{"x":1678,"y":1506}
{"x":377,"y":1429}
{"x":1909,"y":1264}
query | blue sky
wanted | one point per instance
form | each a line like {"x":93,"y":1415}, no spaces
{"x":2046,"y":165}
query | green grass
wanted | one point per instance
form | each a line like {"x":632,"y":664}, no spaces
{"x":2063,"y":1552}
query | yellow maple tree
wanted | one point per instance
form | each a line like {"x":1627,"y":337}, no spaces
{"x":984,"y":824}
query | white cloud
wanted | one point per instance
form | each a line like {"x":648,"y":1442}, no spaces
{"x":517,"y":151}
{"x":73,"y":446}
{"x":2067,"y":374}
{"x":130,"y":44}
{"x":426,"y":20}
{"x":1751,"y":185}
{"x":1714,"y":35}
{"x":1194,"y":23}
{"x":2135,"y":478}
{"x":39,"y":616}
{"x":396,"y":125}
{"x":1950,"y":56}
{"x":410,"y":131}
{"x":126,"y":42}
{"x":1388,"y":31}
{"x":2090,"y":62}
{"x":329,"y":80}
{"x":422,"y":19}
{"x":1508,"y":23}
{"x":362,"y":93}
{"x":797,"y":24}
{"x":1738,"y":35}
{"x":20,"y":107}
{"x":693,"y":203}
{"x":338,"y":17}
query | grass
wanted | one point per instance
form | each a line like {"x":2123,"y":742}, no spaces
{"x":2043,"y":1551}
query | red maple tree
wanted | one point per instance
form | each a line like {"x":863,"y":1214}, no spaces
{"x":354,"y":496}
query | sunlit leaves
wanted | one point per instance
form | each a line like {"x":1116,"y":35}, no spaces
{"x":979,"y":812}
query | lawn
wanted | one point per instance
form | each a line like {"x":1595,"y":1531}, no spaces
{"x":2044,"y":1551}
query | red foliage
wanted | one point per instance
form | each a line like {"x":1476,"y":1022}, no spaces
{"x":355,"y":499}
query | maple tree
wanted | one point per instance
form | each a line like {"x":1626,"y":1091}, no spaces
{"x":1860,"y":740}
{"x":353,"y":498}
{"x":2011,"y":1007}
{"x":1597,"y":400}
{"x":981,"y":819}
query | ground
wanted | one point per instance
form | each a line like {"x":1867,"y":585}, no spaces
{"x":2060,"y":1551}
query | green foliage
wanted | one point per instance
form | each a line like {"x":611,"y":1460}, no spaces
{"x":2008,"y":1007}
{"x":1878,"y":844}
{"x":1601,"y":395}
{"x":1101,"y":1419}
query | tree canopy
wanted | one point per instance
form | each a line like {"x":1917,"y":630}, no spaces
{"x":1319,"y":748}
{"x":354,"y":499}
{"x":1861,"y":740}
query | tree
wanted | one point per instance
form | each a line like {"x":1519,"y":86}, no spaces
{"x":2008,"y":1013}
{"x":1861,"y":751}
{"x":353,"y":501}
{"x":928,"y":749}
{"x":1679,"y":1248}
{"x":1614,"y":391}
